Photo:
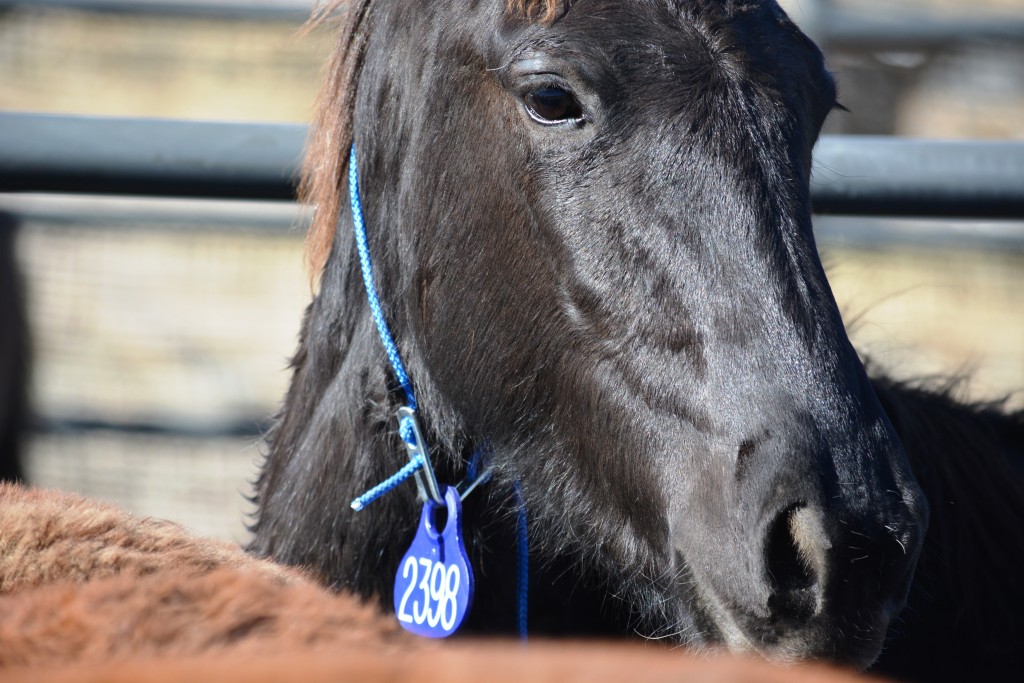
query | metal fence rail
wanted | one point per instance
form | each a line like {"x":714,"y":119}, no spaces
{"x":886,"y":176}
{"x":870,"y":176}
{"x":839,"y":29}
{"x":148,"y":157}
{"x":847,"y":30}
{"x":247,"y":10}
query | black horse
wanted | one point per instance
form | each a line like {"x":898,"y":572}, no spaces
{"x":592,"y":235}
{"x":14,"y":354}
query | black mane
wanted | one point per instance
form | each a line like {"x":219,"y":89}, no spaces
{"x":962,"y":620}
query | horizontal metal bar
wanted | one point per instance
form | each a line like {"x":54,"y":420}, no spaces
{"x":150,"y":157}
{"x":853,"y":175}
{"x":864,"y":232}
{"x":292,"y":11}
{"x":111,"y":212}
{"x":885,"y":176}
{"x":855,"y":31}
{"x":255,"y":427}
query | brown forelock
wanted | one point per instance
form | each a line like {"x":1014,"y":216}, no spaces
{"x":330,"y":134}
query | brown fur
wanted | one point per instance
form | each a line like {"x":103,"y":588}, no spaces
{"x":463,"y":662}
{"x":189,"y":612}
{"x":330,"y":134}
{"x":86,"y":582}
{"x":146,"y":602}
{"x":48,"y":537}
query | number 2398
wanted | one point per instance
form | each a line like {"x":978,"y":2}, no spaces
{"x":438,"y":587}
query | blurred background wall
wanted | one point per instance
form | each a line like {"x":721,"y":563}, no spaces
{"x":162,"y":329}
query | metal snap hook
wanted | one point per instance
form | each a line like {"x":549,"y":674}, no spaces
{"x":416,"y":446}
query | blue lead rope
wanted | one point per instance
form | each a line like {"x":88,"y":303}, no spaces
{"x":522,"y":563}
{"x":371,"y":290}
{"x":406,"y":431}
{"x":388,"y":484}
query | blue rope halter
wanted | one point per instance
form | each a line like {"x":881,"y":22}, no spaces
{"x":419,"y":460}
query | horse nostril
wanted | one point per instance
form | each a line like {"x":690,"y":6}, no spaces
{"x":793,"y":548}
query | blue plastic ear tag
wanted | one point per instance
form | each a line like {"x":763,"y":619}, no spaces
{"x":434,"y":583}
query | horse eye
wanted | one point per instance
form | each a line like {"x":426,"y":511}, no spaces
{"x":552,"y":104}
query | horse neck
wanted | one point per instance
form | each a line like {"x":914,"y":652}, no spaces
{"x":969,"y":460}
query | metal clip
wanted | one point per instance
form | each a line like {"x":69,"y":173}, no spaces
{"x":426,"y":481}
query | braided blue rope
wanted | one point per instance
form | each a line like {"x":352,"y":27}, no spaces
{"x":371,"y":291}
{"x":388,"y":484}
{"x":406,"y":431}
{"x":522,"y":563}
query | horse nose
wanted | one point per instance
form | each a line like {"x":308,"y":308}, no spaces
{"x":811,"y":572}
{"x":795,"y":554}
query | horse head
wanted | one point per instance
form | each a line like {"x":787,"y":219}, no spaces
{"x":592,"y":231}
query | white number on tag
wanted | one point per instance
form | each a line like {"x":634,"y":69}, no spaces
{"x":439,"y":586}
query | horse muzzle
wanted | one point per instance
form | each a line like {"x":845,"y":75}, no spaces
{"x":802,"y":570}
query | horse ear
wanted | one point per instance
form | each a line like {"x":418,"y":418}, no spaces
{"x":330,"y":133}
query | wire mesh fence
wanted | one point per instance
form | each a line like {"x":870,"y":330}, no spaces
{"x":161,"y":349}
